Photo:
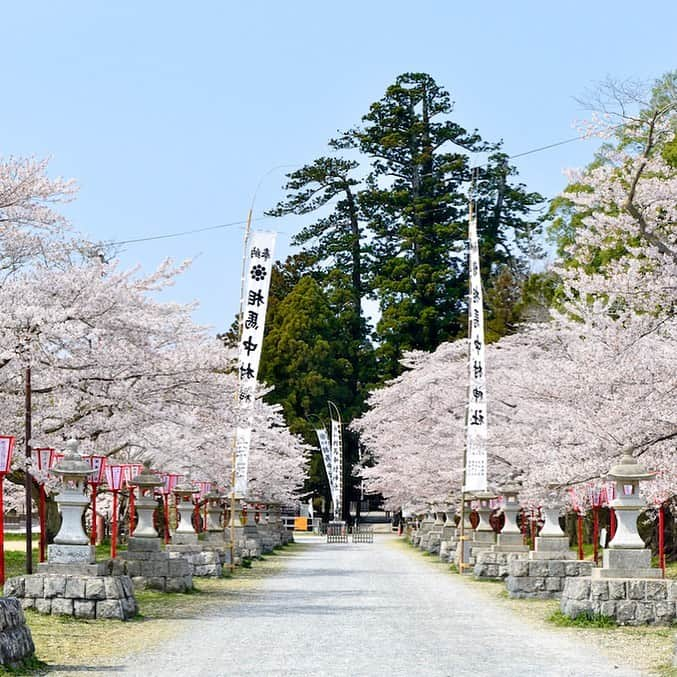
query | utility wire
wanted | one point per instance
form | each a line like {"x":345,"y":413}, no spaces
{"x":233,"y":224}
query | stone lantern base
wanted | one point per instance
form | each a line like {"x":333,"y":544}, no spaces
{"x":491,"y":564}
{"x":430,"y":541}
{"x":625,"y":589}
{"x":149,"y":566}
{"x":495,"y":562}
{"x":248,"y":541}
{"x":544,"y":573}
{"x":65,"y":591}
{"x":628,"y":601}
{"x":203,"y":559}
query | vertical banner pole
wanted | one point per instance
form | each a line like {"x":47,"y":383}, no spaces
{"x":28,"y":479}
{"x":475,"y":451}
{"x":245,"y":240}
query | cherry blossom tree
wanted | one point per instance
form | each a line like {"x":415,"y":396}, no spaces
{"x":129,"y":376}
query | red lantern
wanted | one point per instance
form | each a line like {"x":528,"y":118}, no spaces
{"x":7,"y":443}
{"x":114,"y":478}
{"x":170,"y":480}
{"x":46,"y":457}
{"x":98,"y":465}
{"x":597,"y":495}
{"x":131,"y":470}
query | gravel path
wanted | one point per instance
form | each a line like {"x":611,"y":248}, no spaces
{"x":366,"y":610}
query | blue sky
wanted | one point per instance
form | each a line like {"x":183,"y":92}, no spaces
{"x":170,"y":114}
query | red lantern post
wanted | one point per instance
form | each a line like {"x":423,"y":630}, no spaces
{"x":534,"y":526}
{"x":6,"y":450}
{"x":131,"y":470}
{"x":98,"y":465}
{"x":114,"y":478}
{"x":578,"y":509}
{"x":205,"y":488}
{"x":596,"y":499}
{"x":46,"y":457}
{"x":170,"y":481}
{"x":610,"y":495}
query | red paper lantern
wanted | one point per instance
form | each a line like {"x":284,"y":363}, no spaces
{"x":170,"y":479}
{"x":130,"y":471}
{"x":98,"y":465}
{"x":205,"y":488}
{"x":46,"y":457}
{"x":114,"y":476}
{"x":6,"y":450}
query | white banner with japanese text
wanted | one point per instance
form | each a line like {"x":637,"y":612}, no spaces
{"x":258,"y":267}
{"x":476,"y":450}
{"x":325,"y":448}
{"x":337,"y":465}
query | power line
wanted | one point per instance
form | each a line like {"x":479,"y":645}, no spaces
{"x":233,"y":224}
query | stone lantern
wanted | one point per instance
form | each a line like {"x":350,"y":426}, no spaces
{"x":146,"y":503}
{"x":626,"y":554}
{"x":464,"y":531}
{"x":185,"y":533}
{"x":510,"y":538}
{"x":484,"y":533}
{"x":71,"y":544}
{"x":449,"y":530}
{"x":550,"y":510}
{"x":214,"y":511}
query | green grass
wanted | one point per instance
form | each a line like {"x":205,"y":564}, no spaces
{"x":587,"y":620}
{"x":29,"y":666}
{"x":15,"y":562}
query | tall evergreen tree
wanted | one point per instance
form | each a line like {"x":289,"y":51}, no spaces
{"x":416,"y":205}
{"x":306,"y":356}
{"x":334,"y":245}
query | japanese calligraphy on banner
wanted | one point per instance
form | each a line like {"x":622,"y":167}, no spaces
{"x":254,"y":305}
{"x":242,"y":444}
{"x":337,"y":464}
{"x":476,"y":450}
{"x":325,"y":448}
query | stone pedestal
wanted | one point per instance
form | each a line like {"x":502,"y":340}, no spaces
{"x":629,"y":601}
{"x":421,"y":537}
{"x":495,"y":565}
{"x":204,"y":561}
{"x":434,"y":536}
{"x":149,"y":566}
{"x":626,"y":588}
{"x":16,"y":643}
{"x":75,"y":594}
{"x":549,"y":565}
{"x":145,"y":507}
{"x":71,"y":583}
